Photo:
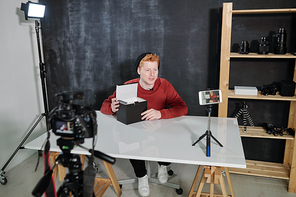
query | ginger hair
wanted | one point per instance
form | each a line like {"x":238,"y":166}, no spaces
{"x":149,"y":58}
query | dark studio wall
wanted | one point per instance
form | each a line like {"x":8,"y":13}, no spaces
{"x":91,"y":46}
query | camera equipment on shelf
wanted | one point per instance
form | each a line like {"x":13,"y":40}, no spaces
{"x":263,"y":45}
{"x":244,"y":47}
{"x":208,"y":98}
{"x":73,"y":123}
{"x":287,"y":88}
{"x":270,"y":129}
{"x":270,"y":89}
{"x":280,"y":42}
{"x":246,"y":116}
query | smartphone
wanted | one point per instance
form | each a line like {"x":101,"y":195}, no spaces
{"x":209,"y":97}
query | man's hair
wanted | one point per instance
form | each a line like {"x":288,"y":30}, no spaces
{"x":149,"y":58}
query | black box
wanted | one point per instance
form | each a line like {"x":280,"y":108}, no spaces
{"x":287,"y":88}
{"x":131,"y":106}
{"x":131,"y":113}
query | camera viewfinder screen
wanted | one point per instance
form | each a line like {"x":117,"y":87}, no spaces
{"x":64,"y":127}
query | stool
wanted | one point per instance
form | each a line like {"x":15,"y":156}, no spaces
{"x":102,"y":184}
{"x":213,"y":176}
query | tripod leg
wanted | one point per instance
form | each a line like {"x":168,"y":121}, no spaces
{"x":208,"y":154}
{"x":238,"y":113}
{"x":24,"y":140}
{"x":245,"y":121}
{"x":216,"y":140}
{"x":200,"y":138}
{"x":249,"y":118}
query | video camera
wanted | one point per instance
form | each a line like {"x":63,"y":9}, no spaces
{"x":71,"y":120}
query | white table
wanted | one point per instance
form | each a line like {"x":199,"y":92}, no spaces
{"x":168,"y":140}
{"x":171,"y":140}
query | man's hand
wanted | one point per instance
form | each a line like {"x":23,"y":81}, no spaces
{"x":114,"y":105}
{"x":151,"y":114}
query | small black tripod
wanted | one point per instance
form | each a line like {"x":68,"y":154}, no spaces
{"x":246,"y":116}
{"x":208,"y":133}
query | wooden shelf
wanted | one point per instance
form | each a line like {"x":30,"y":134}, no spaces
{"x":264,"y":169}
{"x":259,"y":132}
{"x":256,"y":55}
{"x":287,"y":170}
{"x":265,"y":11}
{"x":259,"y":96}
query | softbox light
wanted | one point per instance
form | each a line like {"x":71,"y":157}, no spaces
{"x":33,"y":10}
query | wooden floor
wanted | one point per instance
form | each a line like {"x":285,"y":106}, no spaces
{"x":22,"y":179}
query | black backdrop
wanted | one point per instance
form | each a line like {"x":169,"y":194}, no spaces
{"x":91,"y":46}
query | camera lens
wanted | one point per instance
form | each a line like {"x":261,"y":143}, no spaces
{"x":281,"y":37}
{"x":263,"y":45}
{"x":244,"y":47}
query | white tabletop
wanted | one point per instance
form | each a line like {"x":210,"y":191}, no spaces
{"x":167,"y":140}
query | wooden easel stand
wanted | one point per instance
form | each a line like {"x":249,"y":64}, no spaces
{"x":212,"y":175}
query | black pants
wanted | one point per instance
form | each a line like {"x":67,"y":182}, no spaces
{"x":140,"y":167}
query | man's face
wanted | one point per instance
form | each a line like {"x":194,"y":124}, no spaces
{"x":148,"y":73}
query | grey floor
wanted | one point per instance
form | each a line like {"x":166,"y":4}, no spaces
{"x":22,"y":179}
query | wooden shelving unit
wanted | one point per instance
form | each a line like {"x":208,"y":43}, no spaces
{"x":287,"y":170}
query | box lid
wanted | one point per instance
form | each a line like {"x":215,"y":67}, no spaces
{"x":128,"y":93}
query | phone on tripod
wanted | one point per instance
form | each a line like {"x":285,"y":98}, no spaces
{"x":209,"y":97}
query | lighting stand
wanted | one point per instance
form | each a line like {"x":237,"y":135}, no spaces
{"x":208,"y":134}
{"x":3,"y":179}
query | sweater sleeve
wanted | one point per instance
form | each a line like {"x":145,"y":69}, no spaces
{"x":106,"y":106}
{"x":175,"y":102}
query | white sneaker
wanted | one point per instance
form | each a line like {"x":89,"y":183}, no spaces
{"x":143,"y":186}
{"x":162,"y":174}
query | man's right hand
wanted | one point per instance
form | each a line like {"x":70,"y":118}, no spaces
{"x":114,"y":105}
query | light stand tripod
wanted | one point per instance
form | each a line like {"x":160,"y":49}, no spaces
{"x":3,"y":179}
{"x":246,"y":116}
{"x":208,"y":134}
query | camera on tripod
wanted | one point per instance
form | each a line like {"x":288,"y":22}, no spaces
{"x":71,"y":120}
{"x":73,"y":123}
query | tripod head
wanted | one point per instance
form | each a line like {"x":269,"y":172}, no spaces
{"x":244,"y":105}
{"x":209,"y":108}
{"x":73,"y":181}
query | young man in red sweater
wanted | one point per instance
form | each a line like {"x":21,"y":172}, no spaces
{"x":159,"y":94}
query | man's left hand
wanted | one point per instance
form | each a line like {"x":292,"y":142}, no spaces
{"x":151,"y":114}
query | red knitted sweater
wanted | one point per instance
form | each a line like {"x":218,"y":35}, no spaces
{"x":162,"y":95}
